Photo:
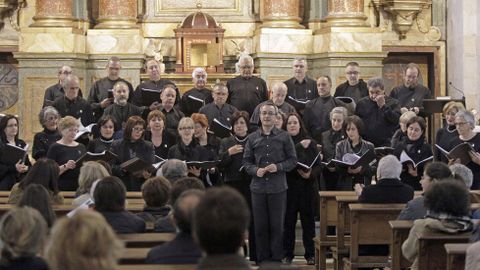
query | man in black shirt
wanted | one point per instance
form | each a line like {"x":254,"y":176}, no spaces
{"x":99,"y":97}
{"x":218,"y":108}
{"x":55,"y":91}
{"x":354,"y":87}
{"x":71,"y":104}
{"x":411,"y":94}
{"x":154,"y":84}
{"x":379,"y":113}
{"x":300,"y":87}
{"x":198,"y":96}
{"x":246,"y":91}
{"x":168,"y":108}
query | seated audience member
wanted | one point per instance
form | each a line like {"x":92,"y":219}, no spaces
{"x":42,"y":140}
{"x":36,"y":196}
{"x":65,"y":152}
{"x":462,"y":172}
{"x":182,"y":249}
{"x":11,"y":172}
{"x":388,"y":189}
{"x":173,"y":169}
{"x":23,"y":232}
{"x":448,"y":209}
{"x":220,"y":225}
{"x":45,"y":173}
{"x":401,"y":134}
{"x":89,"y":172}
{"x":109,"y":197}
{"x":434,"y":172}
{"x":106,"y":125}
{"x":178,"y":187}
{"x":84,"y":241}
{"x":155,"y":192}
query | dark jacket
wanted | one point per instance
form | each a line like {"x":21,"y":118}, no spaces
{"x":232,"y":165}
{"x":387,"y":190}
{"x":223,"y":262}
{"x":417,"y":151}
{"x":347,"y":180}
{"x":340,"y":91}
{"x":316,"y":115}
{"x":35,"y":263}
{"x":124,"y":222}
{"x":42,"y":141}
{"x":181,"y":250}
{"x":8,"y":172}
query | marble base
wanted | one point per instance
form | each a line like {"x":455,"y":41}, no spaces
{"x":282,"y":40}
{"x":351,"y":39}
{"x":52,"y":40}
{"x":114,"y":41}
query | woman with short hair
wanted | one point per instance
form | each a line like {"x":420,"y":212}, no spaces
{"x":449,"y":131}
{"x":36,"y":196}
{"x":160,"y":138}
{"x":42,"y":140}
{"x":106,"y":126}
{"x":89,"y":172}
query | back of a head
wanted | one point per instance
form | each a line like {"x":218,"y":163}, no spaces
{"x":437,"y":171}
{"x":22,"y":233}
{"x":184,"y":184}
{"x":184,"y":207}
{"x":36,"y":196}
{"x":155,"y":191}
{"x":449,"y":196}
{"x":44,"y":172}
{"x":109,"y":195}
{"x":84,"y":241}
{"x":463,"y":173}
{"x":221,"y":221}
{"x":173,"y":169}
{"x":389,"y":167}
{"x":89,"y":172}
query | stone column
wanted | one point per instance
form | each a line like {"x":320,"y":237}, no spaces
{"x":53,"y":13}
{"x":281,"y":14}
{"x":117,"y":14}
{"x":346,"y":13}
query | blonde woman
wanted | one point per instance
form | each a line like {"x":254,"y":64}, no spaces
{"x":89,"y":172}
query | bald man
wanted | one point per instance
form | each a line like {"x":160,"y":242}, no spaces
{"x":55,"y":91}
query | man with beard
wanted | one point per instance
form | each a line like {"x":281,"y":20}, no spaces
{"x":411,"y":94}
{"x":121,"y":109}
{"x":98,"y":97}
{"x":246,"y":91}
{"x":198,"y":96}
{"x":354,"y":87}
{"x":155,"y":84}
{"x":55,"y":91}
{"x":301,"y":88}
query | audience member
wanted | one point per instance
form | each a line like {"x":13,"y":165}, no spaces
{"x":89,"y":173}
{"x":173,"y":169}
{"x":462,"y":172}
{"x":155,"y":192}
{"x":109,"y":197}
{"x":182,"y":249}
{"x":37,"y":197}
{"x":48,"y":118}
{"x":23,"y":233}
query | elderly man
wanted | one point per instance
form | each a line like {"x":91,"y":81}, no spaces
{"x":219,"y":109}
{"x":379,"y":113}
{"x":301,"y":88}
{"x":99,"y":93}
{"x":153,"y":85}
{"x":317,"y":111}
{"x":168,"y":108}
{"x":72,"y":104}
{"x":389,"y":188}
{"x":411,"y":94}
{"x":354,"y":87}
{"x":198,"y":96}
{"x":246,"y":91}
{"x":173,"y":169}
{"x":121,"y":109}
{"x":268,"y":154}
{"x":279,"y":93}
{"x":55,"y":91}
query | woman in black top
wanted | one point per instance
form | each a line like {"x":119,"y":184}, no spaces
{"x":417,"y":149}
{"x":11,"y":171}
{"x":133,"y":145}
{"x":302,"y":190}
{"x":330,"y":138}
{"x":106,"y":124}
{"x":209,"y":141}
{"x":42,"y":140}
{"x":160,"y":138}
{"x":449,"y":131}
{"x":465,"y":123}
{"x":65,"y":152}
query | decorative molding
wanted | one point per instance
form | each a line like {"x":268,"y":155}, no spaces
{"x":404,"y":13}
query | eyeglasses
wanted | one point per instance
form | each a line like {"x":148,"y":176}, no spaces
{"x":66,"y":72}
{"x":51,"y":118}
{"x":185,"y":128}
{"x":268,"y":113}
{"x":460,"y":123}
{"x":12,"y":125}
{"x":137,"y":129}
{"x":352,"y":73}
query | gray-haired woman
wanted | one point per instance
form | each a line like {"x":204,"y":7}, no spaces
{"x":42,"y":140}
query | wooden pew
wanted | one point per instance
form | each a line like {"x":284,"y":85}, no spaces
{"x":431,"y":250}
{"x":71,"y":194}
{"x":62,"y":210}
{"x":69,"y":200}
{"x":369,"y":226}
{"x":456,"y":254}
{"x":343,"y":228}
{"x":328,"y":217}
{"x":145,"y":240}
{"x":399,"y":233}
{"x":157,"y":267}
{"x":134,"y":256}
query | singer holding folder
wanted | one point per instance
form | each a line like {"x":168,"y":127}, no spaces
{"x":11,"y":171}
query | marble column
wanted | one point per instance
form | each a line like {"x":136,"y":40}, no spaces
{"x":117,"y":14}
{"x":53,"y":13}
{"x":281,"y":14}
{"x":346,"y":13}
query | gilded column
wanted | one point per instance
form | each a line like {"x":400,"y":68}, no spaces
{"x":281,"y":14}
{"x":115,"y":14}
{"x":346,"y":13}
{"x":53,"y":13}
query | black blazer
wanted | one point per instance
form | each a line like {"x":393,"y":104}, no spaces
{"x":386,"y":190}
{"x":181,"y":250}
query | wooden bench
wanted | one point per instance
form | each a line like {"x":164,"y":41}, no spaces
{"x":399,"y":233}
{"x":71,"y":194}
{"x":328,"y":217}
{"x":456,"y":254}
{"x":134,"y":256}
{"x":157,"y":267}
{"x":369,"y":226}
{"x":62,"y":210}
{"x":69,"y":200}
{"x":343,"y":229}
{"x":145,"y":240}
{"x":431,"y":249}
